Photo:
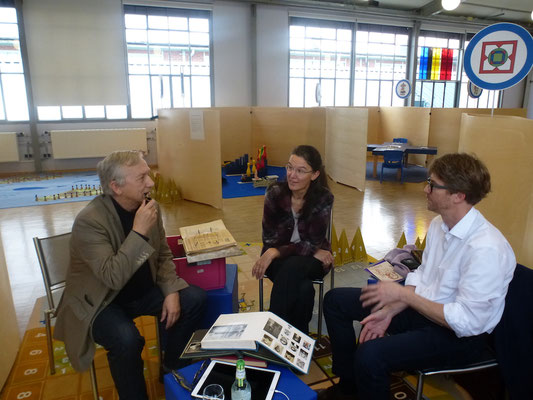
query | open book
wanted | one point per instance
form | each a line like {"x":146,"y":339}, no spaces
{"x":248,"y":331}
{"x":206,"y":237}
{"x":384,"y":271}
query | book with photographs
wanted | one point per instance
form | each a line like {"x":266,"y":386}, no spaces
{"x":250,"y":331}
{"x":207,"y":237}
{"x":194,"y":351}
{"x":384,"y":271}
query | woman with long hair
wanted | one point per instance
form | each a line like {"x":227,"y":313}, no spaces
{"x":295,"y":248}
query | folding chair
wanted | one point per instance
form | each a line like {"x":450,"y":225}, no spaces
{"x":319,"y":282}
{"x":54,"y":258}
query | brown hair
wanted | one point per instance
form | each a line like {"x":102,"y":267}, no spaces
{"x":463,"y":173}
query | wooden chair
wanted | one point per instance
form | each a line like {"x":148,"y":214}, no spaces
{"x":319,"y":282}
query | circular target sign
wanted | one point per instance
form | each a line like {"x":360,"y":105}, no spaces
{"x":403,"y":89}
{"x":499,"y":56}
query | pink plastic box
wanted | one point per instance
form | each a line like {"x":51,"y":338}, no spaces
{"x":209,"y":274}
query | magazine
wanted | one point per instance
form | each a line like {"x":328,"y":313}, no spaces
{"x":384,"y":271}
{"x":248,"y":331}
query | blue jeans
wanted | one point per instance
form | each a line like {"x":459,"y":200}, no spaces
{"x":413,"y":342}
{"x":114,"y":329}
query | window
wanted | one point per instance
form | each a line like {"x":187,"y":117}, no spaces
{"x":320,"y":54}
{"x":380,"y":62}
{"x":13,"y":100}
{"x":437,"y":72}
{"x":168,"y":59}
{"x":58,"y":113}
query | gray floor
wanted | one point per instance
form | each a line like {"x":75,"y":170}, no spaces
{"x":349,"y":275}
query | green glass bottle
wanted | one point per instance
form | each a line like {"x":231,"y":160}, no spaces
{"x":241,"y":390}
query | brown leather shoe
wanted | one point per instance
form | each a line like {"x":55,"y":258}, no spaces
{"x":334,"y":393}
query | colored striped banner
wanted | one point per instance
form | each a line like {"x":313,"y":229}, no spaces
{"x":435,"y":64}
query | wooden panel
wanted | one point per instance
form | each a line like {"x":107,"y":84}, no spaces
{"x":346,"y":134}
{"x":8,"y":147}
{"x":9,"y":334}
{"x":374,"y":126}
{"x":282,"y":129}
{"x":89,"y":143}
{"x":235,"y":132}
{"x":445,"y":124}
{"x":194,"y":164}
{"x":406,"y":122}
{"x":504,"y":144}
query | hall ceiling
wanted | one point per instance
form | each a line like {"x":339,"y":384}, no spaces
{"x":483,"y":11}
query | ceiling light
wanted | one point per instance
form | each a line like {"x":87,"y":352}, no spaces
{"x":449,"y":5}
{"x":531,"y":14}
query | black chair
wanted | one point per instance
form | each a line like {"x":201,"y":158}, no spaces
{"x":319,"y":282}
{"x":513,"y":342}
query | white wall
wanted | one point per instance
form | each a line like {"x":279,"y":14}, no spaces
{"x":272,"y":56}
{"x":232,"y":54}
{"x":514,"y":96}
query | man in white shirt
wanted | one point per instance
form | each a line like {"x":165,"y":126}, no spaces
{"x":448,"y":305}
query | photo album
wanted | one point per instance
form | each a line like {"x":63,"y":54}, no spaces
{"x":248,"y":331}
{"x":384,"y":271}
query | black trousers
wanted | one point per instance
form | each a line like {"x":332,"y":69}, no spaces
{"x":114,"y":329}
{"x":414,"y":342}
{"x":293,"y":294}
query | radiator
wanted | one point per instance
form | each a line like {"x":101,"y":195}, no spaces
{"x":8,"y":147}
{"x":90,"y":143}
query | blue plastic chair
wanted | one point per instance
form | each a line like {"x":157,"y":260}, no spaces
{"x":399,"y":140}
{"x":392,"y":159}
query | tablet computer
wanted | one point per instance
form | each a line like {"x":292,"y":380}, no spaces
{"x":263,"y":381}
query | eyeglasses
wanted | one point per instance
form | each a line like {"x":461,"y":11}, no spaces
{"x":433,"y":185}
{"x":297,"y":171}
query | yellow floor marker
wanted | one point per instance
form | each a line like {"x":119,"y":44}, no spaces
{"x":417,"y":242}
{"x":335,"y":247}
{"x":423,"y":245}
{"x":402,"y":241}
{"x":346,"y":254}
{"x":358,"y":247}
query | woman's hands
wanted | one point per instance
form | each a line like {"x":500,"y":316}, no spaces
{"x":325,"y":257}
{"x":261,"y":265}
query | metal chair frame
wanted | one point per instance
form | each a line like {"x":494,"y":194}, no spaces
{"x":319,"y":282}
{"x":54,"y":271}
{"x":489,"y":363}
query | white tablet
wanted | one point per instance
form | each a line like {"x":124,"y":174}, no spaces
{"x":262,"y":380}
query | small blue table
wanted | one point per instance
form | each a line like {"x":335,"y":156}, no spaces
{"x":288,"y":383}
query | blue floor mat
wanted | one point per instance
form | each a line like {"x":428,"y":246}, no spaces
{"x":232,"y":186}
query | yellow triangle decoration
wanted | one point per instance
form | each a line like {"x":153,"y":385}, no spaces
{"x":417,"y":242}
{"x":358,"y":247}
{"x":335,"y":247}
{"x":402,"y":241}
{"x":346,"y":254}
{"x":423,"y":245}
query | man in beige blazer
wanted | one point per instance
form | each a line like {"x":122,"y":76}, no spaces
{"x":121,"y":268}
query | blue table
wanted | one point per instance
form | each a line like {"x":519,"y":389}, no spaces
{"x":288,"y":383}
{"x":380,"y":149}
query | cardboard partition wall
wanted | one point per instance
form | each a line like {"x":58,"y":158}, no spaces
{"x":9,"y":333}
{"x":445,"y":124}
{"x":188,"y":148}
{"x":282,"y":129}
{"x":235,"y":133}
{"x":504,"y":144}
{"x":346,"y":138}
{"x":406,"y":122}
{"x":374,"y":125}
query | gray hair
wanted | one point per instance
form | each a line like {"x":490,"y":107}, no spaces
{"x":110,"y":168}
